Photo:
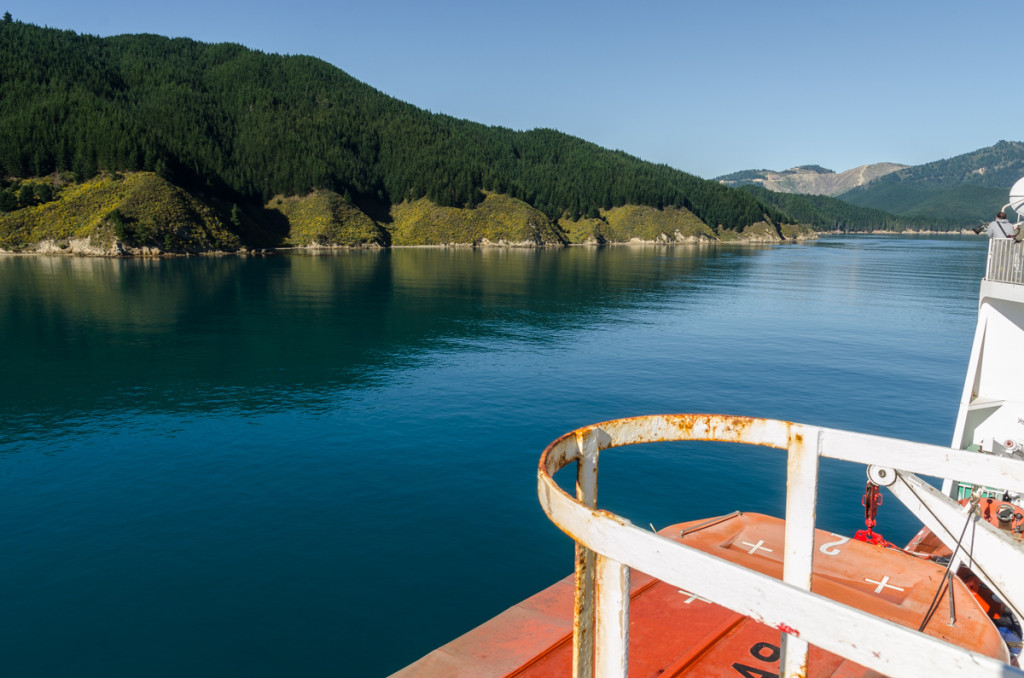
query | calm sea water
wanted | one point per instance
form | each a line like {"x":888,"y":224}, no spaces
{"x":325,"y":465}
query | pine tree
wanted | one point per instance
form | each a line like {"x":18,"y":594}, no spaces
{"x":8,"y":203}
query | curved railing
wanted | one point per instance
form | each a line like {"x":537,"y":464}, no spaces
{"x":608,"y":545}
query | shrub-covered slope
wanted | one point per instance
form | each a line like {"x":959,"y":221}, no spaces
{"x":324,"y":219}
{"x":113,"y":214}
{"x":499,"y":219}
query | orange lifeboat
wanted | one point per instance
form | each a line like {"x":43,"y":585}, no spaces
{"x":675,"y":633}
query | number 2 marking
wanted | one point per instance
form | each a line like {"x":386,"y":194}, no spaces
{"x":824,"y":548}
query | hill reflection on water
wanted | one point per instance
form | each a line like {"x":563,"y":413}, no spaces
{"x":176,"y":333}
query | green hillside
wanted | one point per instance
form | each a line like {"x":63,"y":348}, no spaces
{"x":961,"y":190}
{"x":236,"y":126}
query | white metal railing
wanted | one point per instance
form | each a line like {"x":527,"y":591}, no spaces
{"x":607,"y":546}
{"x":1005,"y":261}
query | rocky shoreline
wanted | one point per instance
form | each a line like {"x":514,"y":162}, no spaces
{"x":83,"y":247}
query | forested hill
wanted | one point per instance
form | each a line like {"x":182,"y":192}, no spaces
{"x":244,"y":126}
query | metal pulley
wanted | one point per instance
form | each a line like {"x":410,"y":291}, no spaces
{"x":881,"y":475}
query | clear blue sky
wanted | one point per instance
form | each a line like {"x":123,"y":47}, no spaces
{"x":707,"y":87}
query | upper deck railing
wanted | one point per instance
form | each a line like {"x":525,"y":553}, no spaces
{"x":608,"y":545}
{"x":1005,"y":261}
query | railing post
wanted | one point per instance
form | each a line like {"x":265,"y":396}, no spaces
{"x":1014,"y":257}
{"x":798,"y":559}
{"x":584,"y":612}
{"x":611,"y":659}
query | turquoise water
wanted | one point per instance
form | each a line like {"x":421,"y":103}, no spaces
{"x":312,"y":465}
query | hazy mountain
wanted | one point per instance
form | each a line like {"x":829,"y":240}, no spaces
{"x":811,"y":179}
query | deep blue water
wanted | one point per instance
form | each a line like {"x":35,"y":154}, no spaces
{"x":313,"y":465}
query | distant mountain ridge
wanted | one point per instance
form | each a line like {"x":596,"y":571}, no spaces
{"x":957,"y":191}
{"x":811,"y":179}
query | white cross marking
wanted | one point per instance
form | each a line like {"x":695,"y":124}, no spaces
{"x":693,"y":597}
{"x":884,"y":584}
{"x":755,"y":547}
